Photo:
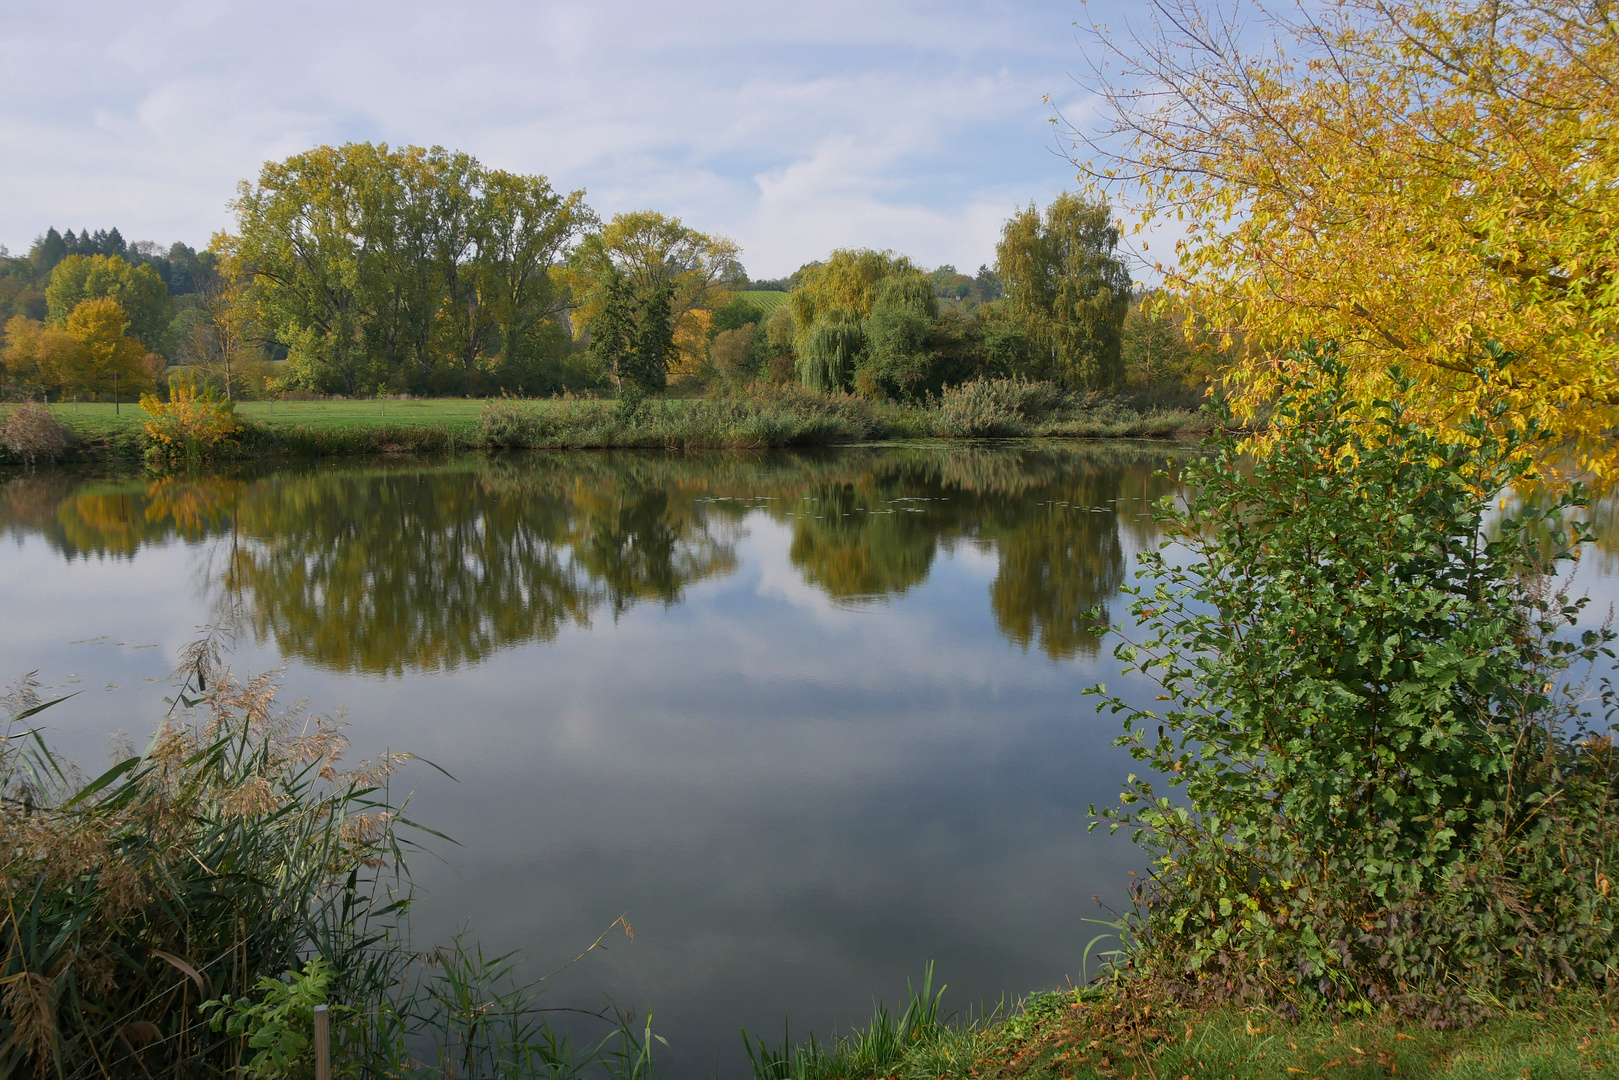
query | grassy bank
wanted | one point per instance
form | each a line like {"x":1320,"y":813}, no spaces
{"x":1079,"y":1035}
{"x":764,"y":418}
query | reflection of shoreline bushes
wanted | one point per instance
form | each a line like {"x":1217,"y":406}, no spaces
{"x":481,"y":554}
{"x":758,"y":417}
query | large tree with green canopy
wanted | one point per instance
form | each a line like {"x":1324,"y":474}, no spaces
{"x":1063,"y":278}
{"x":407,"y":269}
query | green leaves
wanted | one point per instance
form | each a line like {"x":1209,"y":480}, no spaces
{"x":278,"y":1026}
{"x":1361,"y":668}
{"x":407,"y":268}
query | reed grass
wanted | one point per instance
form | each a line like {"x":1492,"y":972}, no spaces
{"x":235,"y":847}
{"x":875,"y":1050}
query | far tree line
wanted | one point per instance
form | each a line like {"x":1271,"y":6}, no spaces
{"x":365,"y":270}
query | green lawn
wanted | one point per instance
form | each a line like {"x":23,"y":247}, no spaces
{"x":99,"y":418}
{"x":320,"y":414}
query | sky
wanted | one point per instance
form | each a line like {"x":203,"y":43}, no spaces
{"x":793,"y":129}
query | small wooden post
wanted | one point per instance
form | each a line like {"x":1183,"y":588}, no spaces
{"x":115,"y":393}
{"x":323,"y":1044}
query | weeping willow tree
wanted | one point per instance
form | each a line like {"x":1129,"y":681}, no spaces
{"x":830,"y":306}
{"x":828,"y":351}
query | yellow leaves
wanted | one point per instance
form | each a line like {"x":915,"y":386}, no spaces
{"x":38,"y":352}
{"x":844,"y":287}
{"x":649,"y":248}
{"x":90,"y":353}
{"x":191,"y":420}
{"x":1409,"y":211}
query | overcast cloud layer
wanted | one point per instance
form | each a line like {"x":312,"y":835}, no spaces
{"x":793,"y":129}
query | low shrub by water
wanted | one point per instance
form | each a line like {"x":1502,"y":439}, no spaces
{"x":759,"y":417}
{"x":32,"y":434}
{"x":1393,"y":794}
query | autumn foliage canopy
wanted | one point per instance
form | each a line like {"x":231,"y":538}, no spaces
{"x":1413,"y":179}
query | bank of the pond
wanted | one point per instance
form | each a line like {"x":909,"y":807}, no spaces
{"x":310,"y":429}
{"x":1081,"y":1035}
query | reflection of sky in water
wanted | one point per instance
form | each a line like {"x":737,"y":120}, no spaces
{"x":806,"y":752}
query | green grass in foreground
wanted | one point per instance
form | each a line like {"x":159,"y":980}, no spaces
{"x":1072,"y":1036}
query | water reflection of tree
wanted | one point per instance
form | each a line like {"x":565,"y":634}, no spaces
{"x":423,"y":570}
{"x":1052,"y":516}
{"x":107,"y":518}
{"x":387,"y":568}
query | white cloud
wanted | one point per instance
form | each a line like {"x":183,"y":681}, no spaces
{"x":906,"y":125}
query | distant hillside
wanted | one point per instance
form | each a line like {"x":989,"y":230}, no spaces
{"x":763,"y":301}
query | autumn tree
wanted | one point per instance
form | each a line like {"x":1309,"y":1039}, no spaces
{"x":830,"y":305}
{"x":650,"y":250}
{"x":90,"y":353}
{"x":1413,"y":179}
{"x":39,"y":355}
{"x":1161,"y":344}
{"x":110,"y":361}
{"x":1062,"y":275}
{"x":138,"y":291}
{"x":223,"y":342}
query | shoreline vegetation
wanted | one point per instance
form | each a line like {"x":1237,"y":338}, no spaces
{"x":758,"y":417}
{"x":126,"y":919}
{"x":1092,"y":1034}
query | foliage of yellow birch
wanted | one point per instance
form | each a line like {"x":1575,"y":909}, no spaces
{"x":109,"y":360}
{"x":37,"y":353}
{"x":1410,"y":178}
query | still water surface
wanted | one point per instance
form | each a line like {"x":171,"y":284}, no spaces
{"x":810,"y":720}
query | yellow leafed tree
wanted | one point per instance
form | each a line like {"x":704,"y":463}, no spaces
{"x":110,"y":361}
{"x":1410,"y":178}
{"x":649,"y":249}
{"x":40,"y":355}
{"x":91,"y":353}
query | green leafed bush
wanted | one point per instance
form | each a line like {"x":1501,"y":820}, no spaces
{"x":510,"y":423}
{"x":1389,"y":791}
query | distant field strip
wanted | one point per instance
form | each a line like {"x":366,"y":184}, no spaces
{"x":764,"y":301}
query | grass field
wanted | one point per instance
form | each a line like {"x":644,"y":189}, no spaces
{"x":764,"y":301}
{"x":757,"y":418}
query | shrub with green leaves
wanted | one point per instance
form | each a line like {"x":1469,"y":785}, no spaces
{"x":511,"y":423}
{"x":277,"y":1025}
{"x":1389,"y":788}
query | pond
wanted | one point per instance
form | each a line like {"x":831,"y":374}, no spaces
{"x":810,"y":720}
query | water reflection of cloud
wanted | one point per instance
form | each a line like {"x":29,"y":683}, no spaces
{"x":799,"y":800}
